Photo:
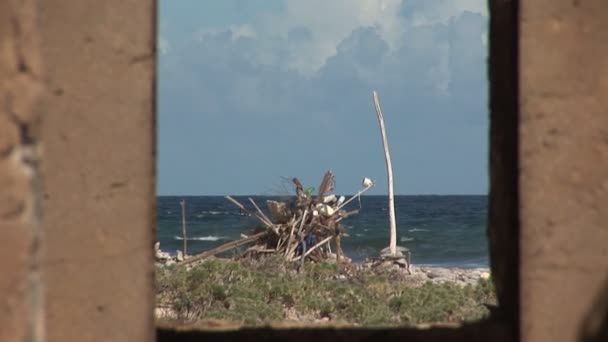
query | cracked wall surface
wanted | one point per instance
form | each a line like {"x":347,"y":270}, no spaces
{"x":99,"y":143}
{"x":21,"y":89}
{"x":564,"y":167}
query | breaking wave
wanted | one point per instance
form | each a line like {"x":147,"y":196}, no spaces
{"x":202,"y":238}
{"x":418,"y":230}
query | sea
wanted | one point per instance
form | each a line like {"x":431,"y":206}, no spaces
{"x":446,"y":231}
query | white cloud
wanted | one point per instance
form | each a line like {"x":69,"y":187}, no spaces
{"x":237,"y":31}
{"x":340,"y":45}
{"x":439,"y":62}
{"x":425,"y":12}
{"x":234,"y":88}
{"x":330,"y":22}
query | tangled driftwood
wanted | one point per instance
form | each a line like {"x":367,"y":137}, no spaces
{"x":302,"y":228}
{"x":305,"y":227}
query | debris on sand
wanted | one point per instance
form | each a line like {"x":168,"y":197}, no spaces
{"x":302,"y":228}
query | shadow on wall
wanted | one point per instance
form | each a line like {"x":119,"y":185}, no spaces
{"x":482,"y":331}
{"x":595,"y":325}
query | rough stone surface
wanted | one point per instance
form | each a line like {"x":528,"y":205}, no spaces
{"x":459,"y":276}
{"x":98,"y":134}
{"x":564,"y":168}
{"x":99,"y":143}
{"x":21,"y":292}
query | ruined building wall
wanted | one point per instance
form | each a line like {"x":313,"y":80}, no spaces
{"x":99,"y":168}
{"x":564,"y":167}
{"x":21,"y":243}
{"x":77,"y":140}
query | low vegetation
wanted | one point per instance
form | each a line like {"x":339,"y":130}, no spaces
{"x":256,"y":292}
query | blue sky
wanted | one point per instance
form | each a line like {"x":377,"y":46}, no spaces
{"x":251,"y":91}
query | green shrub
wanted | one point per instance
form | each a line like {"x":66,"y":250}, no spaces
{"x":258,"y":291}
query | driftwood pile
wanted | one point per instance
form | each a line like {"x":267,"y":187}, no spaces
{"x":300,"y":229}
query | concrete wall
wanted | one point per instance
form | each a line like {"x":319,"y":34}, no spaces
{"x":564,"y":167}
{"x":21,"y":243}
{"x":99,"y":168}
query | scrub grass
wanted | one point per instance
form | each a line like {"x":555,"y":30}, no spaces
{"x":257,"y":292}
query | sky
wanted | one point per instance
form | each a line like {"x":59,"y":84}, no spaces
{"x":253,"y":92}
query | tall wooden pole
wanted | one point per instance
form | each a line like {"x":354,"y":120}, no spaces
{"x":389,"y":171}
{"x":183,"y":204}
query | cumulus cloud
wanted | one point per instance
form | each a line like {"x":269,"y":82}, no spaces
{"x":307,"y":33}
{"x":330,"y":22}
{"x":310,"y":70}
{"x":424,"y":12}
{"x":242,"y":73}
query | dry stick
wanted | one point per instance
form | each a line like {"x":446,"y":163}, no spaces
{"x":287,"y":250}
{"x":299,"y":231}
{"x":265,"y":222}
{"x":259,"y":249}
{"x":274,"y":229}
{"x":389,"y":172}
{"x":338,"y":249}
{"x":223,"y":248}
{"x":285,"y":240}
{"x":278,"y":244}
{"x":352,"y":198}
{"x":325,"y":185}
{"x":347,"y":214}
{"x":237,"y":203}
{"x":183,"y":204}
{"x":310,"y":250}
{"x":303,"y":256}
{"x":242,"y":207}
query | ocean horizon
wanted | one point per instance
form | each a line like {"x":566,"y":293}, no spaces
{"x":439,"y":230}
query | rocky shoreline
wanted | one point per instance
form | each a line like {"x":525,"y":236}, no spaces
{"x":395,"y":275}
{"x":460,"y":276}
{"x":417,"y":277}
{"x":415,"y":274}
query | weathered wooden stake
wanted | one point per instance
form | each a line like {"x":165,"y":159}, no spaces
{"x":183,"y":204}
{"x":389,"y":171}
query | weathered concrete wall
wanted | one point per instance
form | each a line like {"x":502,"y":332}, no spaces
{"x":93,"y":264}
{"x":564,"y":166}
{"x":21,"y":291}
{"x":99,"y":198}
{"x":99,"y":147}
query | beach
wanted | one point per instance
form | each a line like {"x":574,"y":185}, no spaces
{"x":448,"y":281}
